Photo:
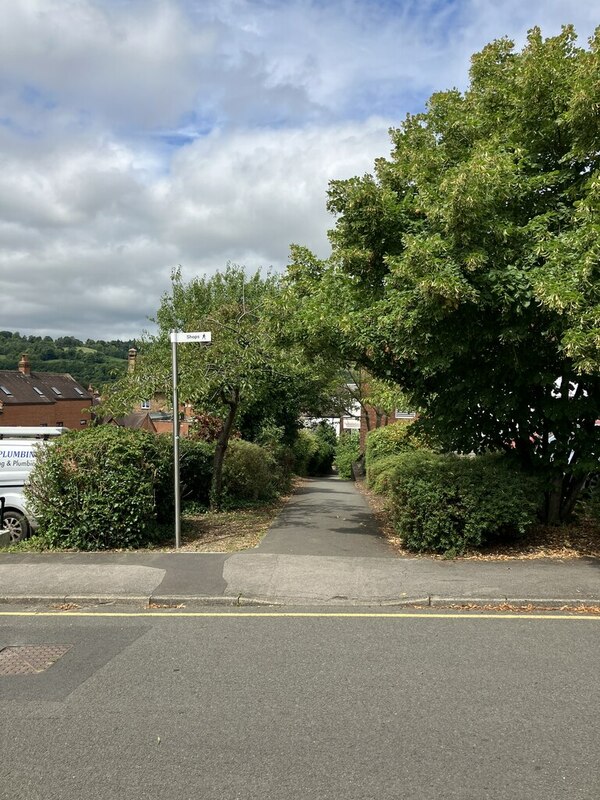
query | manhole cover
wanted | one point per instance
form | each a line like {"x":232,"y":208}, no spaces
{"x":29,"y":659}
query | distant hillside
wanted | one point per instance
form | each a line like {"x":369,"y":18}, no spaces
{"x":90,"y":362}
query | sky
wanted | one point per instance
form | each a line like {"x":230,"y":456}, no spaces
{"x":139,"y":135}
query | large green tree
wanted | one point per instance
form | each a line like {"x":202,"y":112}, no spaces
{"x":466,"y":268}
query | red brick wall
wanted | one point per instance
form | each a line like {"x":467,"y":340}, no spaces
{"x":68,"y":413}
{"x":385,"y":420}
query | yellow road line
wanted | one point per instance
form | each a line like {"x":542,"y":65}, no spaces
{"x":304,"y":614}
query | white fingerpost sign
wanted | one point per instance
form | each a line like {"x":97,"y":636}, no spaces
{"x":180,"y":337}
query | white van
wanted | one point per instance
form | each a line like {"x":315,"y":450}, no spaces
{"x":18,"y":446}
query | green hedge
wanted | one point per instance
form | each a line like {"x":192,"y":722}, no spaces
{"x":314,"y":450}
{"x":273,"y":438}
{"x":105,"y":487}
{"x":195,"y":468}
{"x":346,"y":453}
{"x":249,"y":473}
{"x":447,"y":503}
{"x":390,"y":440}
{"x":381,"y":473}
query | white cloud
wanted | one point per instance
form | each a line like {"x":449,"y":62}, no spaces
{"x":90,"y":238}
{"x":261,"y":190}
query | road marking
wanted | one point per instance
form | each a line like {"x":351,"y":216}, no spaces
{"x":304,"y":614}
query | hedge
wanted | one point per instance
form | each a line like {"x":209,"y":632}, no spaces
{"x":390,"y":440}
{"x":314,"y":450}
{"x":448,"y":504}
{"x":195,"y":469}
{"x":346,"y":453}
{"x":249,"y":473}
{"x":105,"y":487}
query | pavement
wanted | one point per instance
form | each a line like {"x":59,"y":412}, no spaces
{"x":323,"y":549}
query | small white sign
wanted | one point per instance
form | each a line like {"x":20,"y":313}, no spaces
{"x":350,"y":424}
{"x":181,"y":337}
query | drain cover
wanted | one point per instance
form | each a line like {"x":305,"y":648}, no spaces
{"x":29,"y":659}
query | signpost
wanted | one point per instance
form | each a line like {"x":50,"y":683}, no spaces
{"x":180,"y":337}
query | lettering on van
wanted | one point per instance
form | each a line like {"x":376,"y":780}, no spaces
{"x":16,"y":458}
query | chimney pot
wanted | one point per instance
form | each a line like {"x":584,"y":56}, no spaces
{"x":131,"y":356}
{"x":24,"y":365}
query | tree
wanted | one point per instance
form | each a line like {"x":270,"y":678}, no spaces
{"x":466,"y":268}
{"x":246,"y":375}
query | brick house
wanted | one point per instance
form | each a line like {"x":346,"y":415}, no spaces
{"x":44,"y":399}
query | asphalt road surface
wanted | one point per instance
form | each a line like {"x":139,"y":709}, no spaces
{"x":399,"y":707}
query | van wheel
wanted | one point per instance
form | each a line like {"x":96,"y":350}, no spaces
{"x":17,"y":526}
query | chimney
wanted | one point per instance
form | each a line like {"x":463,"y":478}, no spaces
{"x":131,"y":356}
{"x":24,"y":365}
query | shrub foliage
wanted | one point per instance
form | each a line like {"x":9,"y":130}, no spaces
{"x":448,"y":503}
{"x":391,"y":440}
{"x":346,"y":453}
{"x":314,"y":450}
{"x":249,"y":472}
{"x":101,"y":488}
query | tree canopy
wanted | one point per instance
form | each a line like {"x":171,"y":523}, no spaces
{"x":248,"y":377}
{"x":466,"y":267}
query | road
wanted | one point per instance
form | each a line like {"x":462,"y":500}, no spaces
{"x":259,"y":707}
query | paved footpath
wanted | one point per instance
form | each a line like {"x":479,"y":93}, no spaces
{"x":323,"y":549}
{"x":326,"y":517}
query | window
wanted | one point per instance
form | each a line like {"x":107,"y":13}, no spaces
{"x":83,"y":421}
{"x":145,"y":405}
{"x":39,"y":391}
{"x":79,"y":392}
{"x":6,"y":391}
{"x":57,"y":391}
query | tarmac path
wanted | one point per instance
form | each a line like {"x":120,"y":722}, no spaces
{"x":326,"y":517}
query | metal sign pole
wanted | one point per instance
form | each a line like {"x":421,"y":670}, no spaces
{"x":176,"y":443}
{"x":201,"y":337}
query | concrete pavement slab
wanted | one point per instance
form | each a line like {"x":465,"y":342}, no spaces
{"x":323,"y":579}
{"x":91,"y":580}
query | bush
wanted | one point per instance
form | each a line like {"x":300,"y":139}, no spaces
{"x":447,"y":503}
{"x":101,"y":488}
{"x":196,"y":468}
{"x":272,"y":438}
{"x":314,"y":450}
{"x":303,"y":448}
{"x":589,"y":503}
{"x":249,"y":473}
{"x":347,"y":452}
{"x":321,"y":460}
{"x":381,"y":472}
{"x":390,"y":440}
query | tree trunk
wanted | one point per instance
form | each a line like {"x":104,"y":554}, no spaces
{"x":561,"y":498}
{"x":554,"y":502}
{"x":216,"y":489}
{"x":575,"y":488}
